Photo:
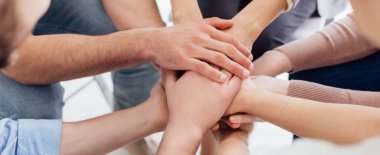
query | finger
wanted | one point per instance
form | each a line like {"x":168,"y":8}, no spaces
{"x":235,"y":84}
{"x":230,"y":51}
{"x":222,"y":61}
{"x":233,"y":125}
{"x":206,"y":70}
{"x":224,"y":37}
{"x":227,"y":73}
{"x":215,"y":127}
{"x":168,"y":77}
{"x":250,"y":57}
{"x":218,"y":23}
{"x":242,"y":119}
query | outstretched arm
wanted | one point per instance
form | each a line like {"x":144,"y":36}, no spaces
{"x":340,"y":123}
{"x":104,"y":134}
{"x":337,"y":43}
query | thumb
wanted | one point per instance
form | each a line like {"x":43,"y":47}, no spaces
{"x":220,"y":24}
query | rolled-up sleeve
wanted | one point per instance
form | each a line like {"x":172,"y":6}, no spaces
{"x":30,"y":137}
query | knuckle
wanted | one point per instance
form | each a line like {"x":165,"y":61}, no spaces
{"x":197,"y":38}
{"x":220,"y":58}
{"x":231,"y":48}
{"x":202,"y":68}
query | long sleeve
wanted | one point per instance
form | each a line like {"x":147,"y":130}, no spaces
{"x":337,"y":43}
{"x":317,"y":92}
{"x":30,"y":137}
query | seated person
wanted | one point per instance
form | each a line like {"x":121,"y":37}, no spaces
{"x":51,"y":137}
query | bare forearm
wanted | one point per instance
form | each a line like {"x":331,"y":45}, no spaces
{"x":187,"y":144}
{"x":54,"y":58}
{"x":339,"y":123}
{"x":185,"y":10}
{"x":106,"y":133}
{"x":252,"y":20}
{"x":232,"y":143}
{"x":127,"y":14}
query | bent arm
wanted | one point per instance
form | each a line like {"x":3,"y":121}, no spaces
{"x":53,"y":58}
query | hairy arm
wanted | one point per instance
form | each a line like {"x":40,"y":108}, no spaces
{"x":54,"y":58}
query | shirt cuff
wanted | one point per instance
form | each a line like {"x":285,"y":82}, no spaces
{"x":39,"y":137}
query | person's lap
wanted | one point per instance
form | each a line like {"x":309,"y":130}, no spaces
{"x":362,"y":74}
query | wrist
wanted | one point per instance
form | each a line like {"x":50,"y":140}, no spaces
{"x":157,"y":118}
{"x":147,"y":39}
{"x":190,"y":139}
{"x":184,"y":16}
{"x":286,"y":65}
{"x":272,"y":63}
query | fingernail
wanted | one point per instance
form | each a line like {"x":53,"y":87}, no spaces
{"x":246,"y":73}
{"x":222,"y":77}
{"x":251,"y":67}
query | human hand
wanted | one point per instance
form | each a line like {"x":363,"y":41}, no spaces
{"x":187,"y":45}
{"x":158,"y":105}
{"x":196,"y":101}
{"x":249,"y":96}
{"x":272,"y":63}
{"x":258,"y":87}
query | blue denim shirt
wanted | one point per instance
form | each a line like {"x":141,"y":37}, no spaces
{"x":30,"y":137}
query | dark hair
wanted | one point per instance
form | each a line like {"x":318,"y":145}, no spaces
{"x":7,"y":30}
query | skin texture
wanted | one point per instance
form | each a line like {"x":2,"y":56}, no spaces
{"x":190,"y":112}
{"x":78,"y":138}
{"x":340,"y":123}
{"x":18,"y":17}
{"x":249,"y":23}
{"x":367,"y":16}
{"x":80,"y":58}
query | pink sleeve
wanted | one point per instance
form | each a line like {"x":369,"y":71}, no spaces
{"x":337,"y":43}
{"x":321,"y":93}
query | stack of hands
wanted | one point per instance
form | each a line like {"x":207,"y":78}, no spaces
{"x":191,"y":104}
